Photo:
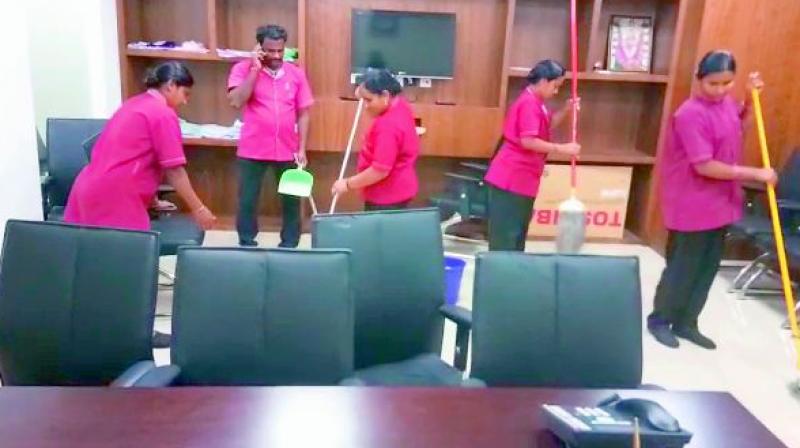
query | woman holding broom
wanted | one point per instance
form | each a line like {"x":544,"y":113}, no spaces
{"x":515,"y":171}
{"x":701,"y":196}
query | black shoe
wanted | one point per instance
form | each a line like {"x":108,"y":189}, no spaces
{"x":288,"y":245}
{"x":694,"y":335}
{"x":664,"y":335}
{"x":161,"y":340}
{"x":248,"y":243}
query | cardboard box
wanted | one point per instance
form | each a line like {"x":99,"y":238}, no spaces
{"x":604,"y":190}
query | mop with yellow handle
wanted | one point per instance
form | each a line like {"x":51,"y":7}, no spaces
{"x":572,"y":212}
{"x":780,"y":249}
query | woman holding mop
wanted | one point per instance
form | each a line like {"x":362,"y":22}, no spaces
{"x":701,"y":196}
{"x":515,"y":171}
{"x":386,"y":175}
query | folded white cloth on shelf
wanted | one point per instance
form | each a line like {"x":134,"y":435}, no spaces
{"x":193,"y":130}
{"x":166,"y":45}
{"x":227,"y":53}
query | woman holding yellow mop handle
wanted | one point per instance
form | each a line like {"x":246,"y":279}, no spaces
{"x":701,"y":196}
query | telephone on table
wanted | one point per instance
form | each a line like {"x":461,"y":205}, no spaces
{"x":611,"y":424}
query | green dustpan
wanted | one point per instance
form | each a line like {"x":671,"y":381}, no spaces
{"x":296,"y":182}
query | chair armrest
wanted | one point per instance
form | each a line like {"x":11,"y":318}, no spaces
{"x":473,"y":383}
{"x":165,"y":188}
{"x":463,"y":320}
{"x":462,"y":317}
{"x":789,"y":205}
{"x":754,"y":187}
{"x":461,"y":177}
{"x":475,"y":166}
{"x":161,"y":376}
{"x":146,"y":374}
{"x":352,"y":382}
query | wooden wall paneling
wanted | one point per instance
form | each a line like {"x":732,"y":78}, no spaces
{"x":177,"y":20}
{"x":129,"y":21}
{"x":451,"y":131}
{"x":208,"y":102}
{"x":664,"y":35}
{"x":541,"y":31}
{"x":511,"y":7}
{"x":243,"y":17}
{"x":767,"y":46}
{"x":125,"y":13}
{"x":302,"y":41}
{"x":478,"y":60}
{"x":596,"y":47}
{"x":640,"y":199}
{"x":650,"y":120}
{"x":212,"y":24}
{"x":684,"y":55}
{"x":459,"y":131}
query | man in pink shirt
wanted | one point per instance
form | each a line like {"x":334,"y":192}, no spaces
{"x":274,"y":98}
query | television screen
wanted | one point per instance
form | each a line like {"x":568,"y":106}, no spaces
{"x":420,"y":45}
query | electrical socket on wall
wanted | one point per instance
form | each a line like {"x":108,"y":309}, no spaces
{"x":425,"y":83}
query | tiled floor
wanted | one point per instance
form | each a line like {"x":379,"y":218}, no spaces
{"x":754,"y":361}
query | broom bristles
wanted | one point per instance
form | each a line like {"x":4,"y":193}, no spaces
{"x":571,"y":226}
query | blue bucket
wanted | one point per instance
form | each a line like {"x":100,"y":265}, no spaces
{"x":453,"y":271}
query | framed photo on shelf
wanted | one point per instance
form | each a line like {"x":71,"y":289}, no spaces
{"x":630,"y":44}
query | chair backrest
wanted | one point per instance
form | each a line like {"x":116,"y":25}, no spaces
{"x":76,"y":303}
{"x":262,"y":317}
{"x":398,"y":276}
{"x":66,"y":156}
{"x":558,"y":321}
{"x":789,"y":185}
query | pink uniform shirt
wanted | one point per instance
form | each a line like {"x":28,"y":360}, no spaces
{"x":270,"y":129}
{"x":515,"y":168}
{"x":119,"y":183}
{"x":391,"y":144}
{"x":701,"y":130}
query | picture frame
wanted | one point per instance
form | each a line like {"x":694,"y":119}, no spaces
{"x":630,"y":44}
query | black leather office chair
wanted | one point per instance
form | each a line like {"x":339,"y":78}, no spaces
{"x":65,"y":158}
{"x":175,"y":229}
{"x":557,"y":321}
{"x":756,"y":226}
{"x":262,"y":317}
{"x":398,"y":275}
{"x":77,"y":306}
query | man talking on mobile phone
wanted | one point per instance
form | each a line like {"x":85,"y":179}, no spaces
{"x":275,"y":98}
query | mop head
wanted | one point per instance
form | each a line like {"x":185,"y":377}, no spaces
{"x":296,"y":182}
{"x":571,"y":226}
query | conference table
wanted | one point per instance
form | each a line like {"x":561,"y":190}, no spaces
{"x":334,"y":417}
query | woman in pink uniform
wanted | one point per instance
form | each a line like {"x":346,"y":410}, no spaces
{"x":700,"y":196}
{"x":139,"y":146}
{"x":517,"y":167}
{"x":386,"y":163}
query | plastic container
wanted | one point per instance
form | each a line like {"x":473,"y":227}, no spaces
{"x":453,"y":271}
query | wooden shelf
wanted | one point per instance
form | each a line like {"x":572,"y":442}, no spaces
{"x":649,"y":78}
{"x":173,"y":54}
{"x":610,"y":157}
{"x":211,"y":142}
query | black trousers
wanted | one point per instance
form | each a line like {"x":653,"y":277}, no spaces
{"x":251,"y":176}
{"x":368,"y":207}
{"x":509,"y":218}
{"x":693,"y":260}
